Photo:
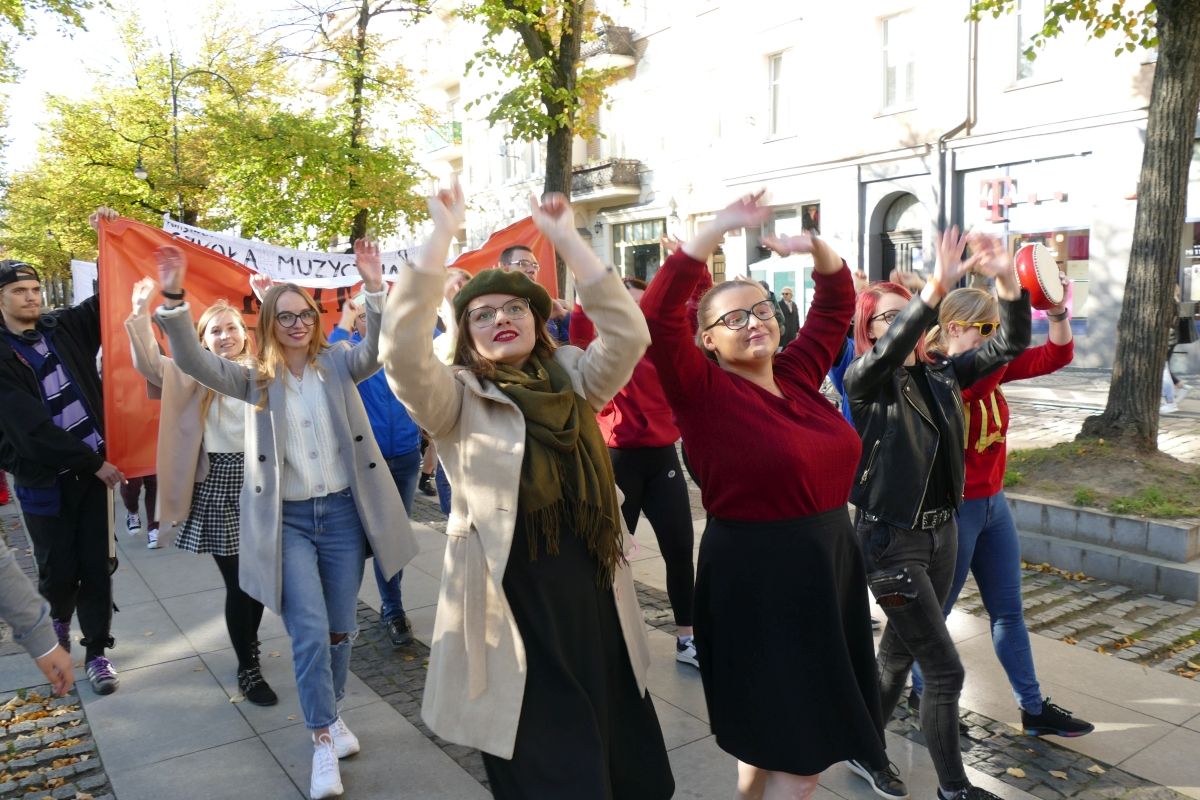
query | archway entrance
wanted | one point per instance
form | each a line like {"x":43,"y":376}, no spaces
{"x":901,"y":242}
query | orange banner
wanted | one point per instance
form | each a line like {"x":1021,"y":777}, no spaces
{"x":522,"y":232}
{"x":127,"y":255}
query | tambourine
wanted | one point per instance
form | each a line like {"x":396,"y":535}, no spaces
{"x":1037,"y":273}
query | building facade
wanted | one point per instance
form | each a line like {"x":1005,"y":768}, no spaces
{"x":875,"y":123}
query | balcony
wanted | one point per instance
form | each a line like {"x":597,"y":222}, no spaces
{"x":444,"y":142}
{"x":606,"y":180}
{"x":611,"y":49}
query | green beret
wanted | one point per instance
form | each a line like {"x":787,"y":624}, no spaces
{"x":497,"y":281}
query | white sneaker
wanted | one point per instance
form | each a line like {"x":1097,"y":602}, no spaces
{"x":1168,"y":408}
{"x":152,"y":539}
{"x":345,"y":743}
{"x":685,"y":652}
{"x":326,"y":780}
{"x":1180,"y":393}
{"x":133,"y":524}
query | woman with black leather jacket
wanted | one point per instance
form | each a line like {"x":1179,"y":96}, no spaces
{"x":907,"y":408}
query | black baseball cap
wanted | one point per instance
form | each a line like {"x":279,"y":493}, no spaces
{"x":13,"y":271}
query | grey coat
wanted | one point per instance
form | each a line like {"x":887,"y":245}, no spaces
{"x":375,"y":494}
{"x":25,"y":611}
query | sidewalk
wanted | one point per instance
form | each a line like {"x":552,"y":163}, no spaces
{"x":173,"y":729}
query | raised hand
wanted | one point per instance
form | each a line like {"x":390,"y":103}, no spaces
{"x":370,"y":265}
{"x":670,"y":244}
{"x":745,"y":212}
{"x":861,"y":281}
{"x":101,"y":213}
{"x":553,"y":216}
{"x":172,"y":268}
{"x":142,"y":292}
{"x":260,"y":283}
{"x":990,"y":258}
{"x":448,"y":208}
{"x":950,"y":267}
{"x":786,"y":245}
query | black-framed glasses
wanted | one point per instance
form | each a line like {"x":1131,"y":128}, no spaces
{"x":986,"y":329}
{"x":288,"y":320}
{"x":485,"y":316}
{"x":524,"y":264}
{"x":887,"y":317}
{"x":740,"y":317}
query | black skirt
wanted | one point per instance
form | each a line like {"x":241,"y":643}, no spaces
{"x":213,"y":524}
{"x":585,"y":732}
{"x":783,"y":636}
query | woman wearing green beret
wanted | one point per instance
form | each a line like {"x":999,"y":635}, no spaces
{"x":539,"y":652}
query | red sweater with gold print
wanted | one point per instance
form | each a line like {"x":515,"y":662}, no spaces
{"x":986,"y":415}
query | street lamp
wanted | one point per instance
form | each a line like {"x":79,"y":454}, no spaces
{"x":175,"y":84}
{"x":139,"y":170}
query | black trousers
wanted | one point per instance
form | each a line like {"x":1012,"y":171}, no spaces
{"x":653,"y":484}
{"x":71,"y":550}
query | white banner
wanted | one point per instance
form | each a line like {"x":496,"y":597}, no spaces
{"x":83,"y":280}
{"x":313,"y":270}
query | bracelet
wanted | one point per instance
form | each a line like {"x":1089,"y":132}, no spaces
{"x":172,"y":295}
{"x":1058,"y":317}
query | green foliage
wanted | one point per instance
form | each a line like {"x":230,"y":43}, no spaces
{"x":1084,"y":497}
{"x":1012,"y":477}
{"x":538,"y":92}
{"x":1134,"y":24}
{"x":245,"y":159}
{"x":1153,"y":502}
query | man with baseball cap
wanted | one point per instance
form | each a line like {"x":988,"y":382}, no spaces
{"x":52,"y":441}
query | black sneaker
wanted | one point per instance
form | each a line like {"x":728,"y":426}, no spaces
{"x":886,"y":782}
{"x":399,"y":630}
{"x":969,"y":793}
{"x":914,"y":705}
{"x":1054,"y":721}
{"x":103,"y":675}
{"x":254,"y":687}
{"x":426,"y":485}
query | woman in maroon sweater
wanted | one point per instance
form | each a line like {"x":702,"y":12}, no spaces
{"x":783,"y":629}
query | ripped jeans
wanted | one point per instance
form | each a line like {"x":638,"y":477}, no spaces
{"x":909,"y":573}
{"x":323,"y":551}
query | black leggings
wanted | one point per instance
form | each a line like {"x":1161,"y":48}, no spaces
{"x":653,"y":484}
{"x":242,"y":613}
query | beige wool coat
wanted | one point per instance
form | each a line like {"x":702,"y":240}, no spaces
{"x":182,"y":461}
{"x":260,"y":562}
{"x":477,"y":669}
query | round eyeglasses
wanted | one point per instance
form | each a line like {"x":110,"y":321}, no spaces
{"x":485,"y":316}
{"x":740,"y":317}
{"x":288,"y":320}
{"x":887,"y":317}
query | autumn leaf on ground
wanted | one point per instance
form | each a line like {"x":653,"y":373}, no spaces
{"x":237,"y":698}
{"x":1070,"y":640}
{"x":1057,"y":773}
{"x":1096,"y":769}
{"x":1016,"y":772}
{"x":1125,"y":642}
{"x":1193,"y":665}
{"x":1100,"y":649}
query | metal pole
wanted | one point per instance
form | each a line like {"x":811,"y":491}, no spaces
{"x":175,"y":142}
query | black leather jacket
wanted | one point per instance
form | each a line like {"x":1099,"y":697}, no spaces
{"x":900,"y":433}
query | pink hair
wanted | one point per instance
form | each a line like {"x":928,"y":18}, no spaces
{"x":864,"y":309}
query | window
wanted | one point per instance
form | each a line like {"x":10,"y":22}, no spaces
{"x":778,"y":110}
{"x":1031,"y":15}
{"x":899,"y":61}
{"x":637,"y":251}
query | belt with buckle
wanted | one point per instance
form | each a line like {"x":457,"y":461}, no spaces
{"x":935,"y":518}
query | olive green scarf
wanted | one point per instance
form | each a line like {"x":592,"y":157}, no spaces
{"x":566,"y":475}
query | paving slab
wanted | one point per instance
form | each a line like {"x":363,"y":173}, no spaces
{"x":1173,"y":760}
{"x":244,"y":769}
{"x":201,"y":618}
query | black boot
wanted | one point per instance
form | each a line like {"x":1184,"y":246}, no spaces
{"x":426,"y":485}
{"x":252,"y":685}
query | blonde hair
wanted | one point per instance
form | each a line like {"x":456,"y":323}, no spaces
{"x":961,"y":305}
{"x":706,"y":303}
{"x":270,"y":352}
{"x":245,"y":357}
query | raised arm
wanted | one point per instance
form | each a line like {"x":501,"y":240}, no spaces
{"x":992,"y":259}
{"x":363,"y":359}
{"x":621,"y":332}
{"x":424,"y":384}
{"x":147,"y":358}
{"x":219,"y":374}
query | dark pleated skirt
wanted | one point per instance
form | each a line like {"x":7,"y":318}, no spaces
{"x":585,"y":732}
{"x":783,"y":634}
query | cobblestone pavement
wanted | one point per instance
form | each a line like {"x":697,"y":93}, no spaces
{"x":46,"y":745}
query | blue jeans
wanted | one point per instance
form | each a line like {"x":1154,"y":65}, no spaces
{"x":989,"y":549}
{"x":443,"y":489}
{"x":406,"y":470}
{"x":323,"y":550}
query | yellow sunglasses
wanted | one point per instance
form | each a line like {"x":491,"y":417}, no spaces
{"x":985,"y":328}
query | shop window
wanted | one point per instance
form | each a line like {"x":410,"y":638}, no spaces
{"x":1070,"y":248}
{"x":899,"y":61}
{"x":637,"y":249}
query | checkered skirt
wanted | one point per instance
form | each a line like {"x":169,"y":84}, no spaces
{"x":212,"y":524}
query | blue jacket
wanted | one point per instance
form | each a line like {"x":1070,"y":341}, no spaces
{"x":837,"y":374}
{"x":395,"y":431}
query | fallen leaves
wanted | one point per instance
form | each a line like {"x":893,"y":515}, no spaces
{"x":1096,"y":769}
{"x":1070,"y":640}
{"x":1016,"y":772}
{"x":1081,"y":577}
{"x":1124,"y":642}
{"x":237,"y":698}
{"x":1058,"y":773}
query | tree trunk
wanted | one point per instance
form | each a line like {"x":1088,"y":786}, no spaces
{"x":1147,"y":310}
{"x":558,"y":179}
{"x":358,"y":229}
